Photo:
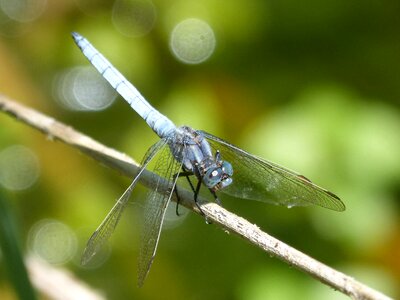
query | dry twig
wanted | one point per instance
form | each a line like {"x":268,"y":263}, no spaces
{"x":216,"y":214}
{"x":58,"y":283}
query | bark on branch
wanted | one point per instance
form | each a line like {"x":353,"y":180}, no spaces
{"x":216,"y":214}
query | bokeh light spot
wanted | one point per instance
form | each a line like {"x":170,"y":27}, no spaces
{"x":19,"y":168}
{"x":23,"y":10}
{"x":134,"y":17}
{"x":83,"y":88}
{"x":192,"y":41}
{"x":52,"y":241}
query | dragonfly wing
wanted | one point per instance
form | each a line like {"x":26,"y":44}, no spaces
{"x":165,"y":173}
{"x":258,"y":179}
{"x":107,"y":226}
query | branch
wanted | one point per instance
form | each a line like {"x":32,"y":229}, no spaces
{"x":216,"y":214}
{"x":58,"y":283}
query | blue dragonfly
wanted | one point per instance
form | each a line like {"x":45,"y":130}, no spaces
{"x":184,"y":151}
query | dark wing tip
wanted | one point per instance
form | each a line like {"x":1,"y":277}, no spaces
{"x":339,"y":205}
{"x":334,"y":203}
{"x":332,"y":194}
{"x":302,"y":177}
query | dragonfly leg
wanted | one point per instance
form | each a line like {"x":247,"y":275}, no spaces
{"x":178,"y":199}
{"x":196,"y":193}
{"x":190,"y":183}
{"x":216,"y":197}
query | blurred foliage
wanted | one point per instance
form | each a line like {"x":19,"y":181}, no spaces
{"x":12,"y":256}
{"x":311,"y":85}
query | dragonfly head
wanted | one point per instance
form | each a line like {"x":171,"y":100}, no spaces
{"x":219,"y":176}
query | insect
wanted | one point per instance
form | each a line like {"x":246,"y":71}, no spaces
{"x":184,"y":151}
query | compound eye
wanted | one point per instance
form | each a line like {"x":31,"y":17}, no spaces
{"x":224,"y":183}
{"x":213,"y":177}
{"x":227,"y":168}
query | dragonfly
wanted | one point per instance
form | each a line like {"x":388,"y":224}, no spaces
{"x":186,"y":152}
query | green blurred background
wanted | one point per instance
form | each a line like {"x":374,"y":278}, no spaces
{"x":311,"y":85}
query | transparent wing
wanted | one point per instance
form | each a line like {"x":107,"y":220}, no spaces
{"x":106,"y":228}
{"x":258,"y":179}
{"x":165,"y":173}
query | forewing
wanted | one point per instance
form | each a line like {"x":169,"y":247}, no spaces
{"x":258,"y":179}
{"x":165,"y":173}
{"x":106,"y":228}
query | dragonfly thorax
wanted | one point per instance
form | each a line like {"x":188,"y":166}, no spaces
{"x":198,"y":158}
